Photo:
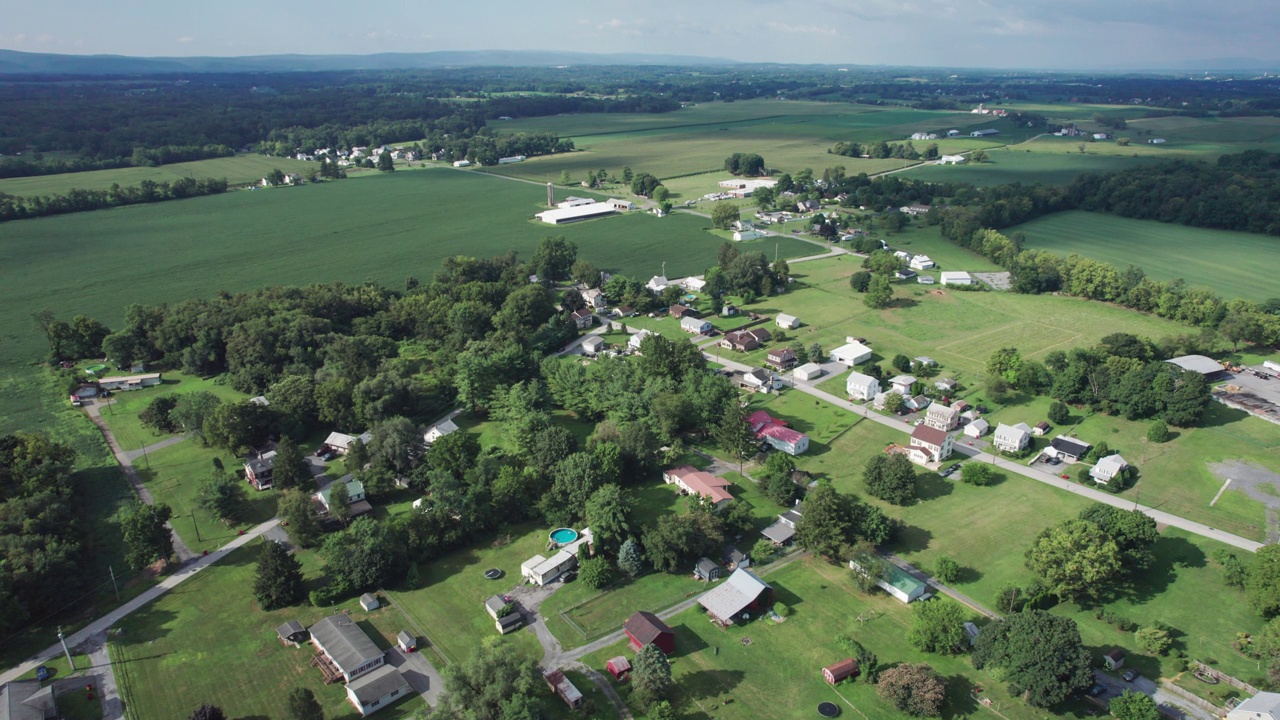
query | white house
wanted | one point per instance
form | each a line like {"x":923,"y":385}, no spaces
{"x":462,"y":163}
{"x":592,"y":344}
{"x":657,"y":283}
{"x":1263,"y":706}
{"x":1107,"y":468}
{"x":378,"y":689}
{"x":694,"y":325}
{"x":634,"y":341}
{"x":130,"y":382}
{"x":439,"y":430}
{"x":787,"y":322}
{"x":595,"y":299}
{"x":341,"y":441}
{"x":809,"y":371}
{"x":977,"y":428}
{"x":861,"y":387}
{"x":921,"y":262}
{"x":902,"y":255}
{"x":933,"y":444}
{"x":897,"y":582}
{"x":741,"y":235}
{"x":1012,"y":438}
{"x":953,"y":133}
{"x":540,"y":571}
{"x":692,"y":283}
{"x":851,"y":353}
{"x":1157,"y":141}
{"x":902,"y":384}
{"x":941,"y":417}
{"x":956,"y":277}
{"x":951,"y":159}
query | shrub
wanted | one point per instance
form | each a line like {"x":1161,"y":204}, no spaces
{"x":781,"y":610}
{"x":1154,"y":640}
{"x":976,"y":473}
{"x":1158,"y":432}
{"x":595,"y":573}
{"x":947,"y":570}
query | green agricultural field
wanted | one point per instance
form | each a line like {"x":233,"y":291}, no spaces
{"x":175,"y":474}
{"x":382,"y":228}
{"x":1019,"y":164}
{"x":767,"y":669}
{"x":207,"y":641}
{"x":238,"y":170}
{"x":1232,"y":264}
{"x":121,"y":412}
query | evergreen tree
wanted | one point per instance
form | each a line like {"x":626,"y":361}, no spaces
{"x":291,"y":469}
{"x":650,"y":675}
{"x":629,"y":559}
{"x":303,"y":705}
{"x":278,"y":582}
{"x":298,"y":514}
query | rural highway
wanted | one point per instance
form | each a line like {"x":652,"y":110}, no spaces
{"x":1052,"y":480}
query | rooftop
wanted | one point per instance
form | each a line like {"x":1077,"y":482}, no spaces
{"x":377,"y":684}
{"x":1197,"y":364}
{"x":344,"y":642}
{"x":733,"y":595}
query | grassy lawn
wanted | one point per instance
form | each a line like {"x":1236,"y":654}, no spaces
{"x":122,"y":413}
{"x":490,"y":432}
{"x":207,"y":641}
{"x":1233,"y":264}
{"x":778,"y":674}
{"x":239,"y":170}
{"x":175,"y":476}
{"x":592,"y":614}
{"x":448,"y":605}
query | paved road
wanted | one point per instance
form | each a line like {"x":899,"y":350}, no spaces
{"x":1095,"y":495}
{"x":101,"y":625}
{"x":94,"y":410}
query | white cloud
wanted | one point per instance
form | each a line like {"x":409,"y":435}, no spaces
{"x":186,"y":39}
{"x":802,"y":29}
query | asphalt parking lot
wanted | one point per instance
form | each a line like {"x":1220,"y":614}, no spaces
{"x":1256,"y":390}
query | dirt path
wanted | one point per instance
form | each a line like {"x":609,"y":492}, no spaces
{"x":125,"y":458}
{"x":1258,"y":483}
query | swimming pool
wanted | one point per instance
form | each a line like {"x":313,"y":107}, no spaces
{"x":564,"y":536}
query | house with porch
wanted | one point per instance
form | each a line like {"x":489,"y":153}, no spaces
{"x":941,"y":417}
{"x":861,"y":387}
{"x":343,"y":651}
{"x":258,"y":470}
{"x":1106,"y":469}
{"x":700,"y":483}
{"x":782,"y":359}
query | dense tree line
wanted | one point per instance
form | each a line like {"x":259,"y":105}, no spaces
{"x":11,"y":167}
{"x":41,"y":550}
{"x":13,"y":207}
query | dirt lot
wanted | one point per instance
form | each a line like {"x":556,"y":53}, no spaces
{"x":1256,"y":395}
{"x":1258,"y":483}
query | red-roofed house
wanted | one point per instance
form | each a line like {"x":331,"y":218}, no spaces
{"x":698,"y":482}
{"x":644,"y":628}
{"x":929,"y":444}
{"x":775,"y":432}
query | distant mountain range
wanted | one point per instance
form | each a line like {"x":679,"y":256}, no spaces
{"x":15,"y":62}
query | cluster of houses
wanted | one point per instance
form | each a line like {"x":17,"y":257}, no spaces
{"x":354,"y":156}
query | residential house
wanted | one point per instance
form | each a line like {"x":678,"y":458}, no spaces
{"x":861,"y":387}
{"x":657,"y":283}
{"x":542,"y":571}
{"x":853,"y":352}
{"x":897,"y":582}
{"x":746,"y":340}
{"x":902,"y":255}
{"x":340,"y":442}
{"x":679,"y":311}
{"x":260,"y":400}
{"x":1069,"y":448}
{"x":916,"y":403}
{"x":741,"y":595}
{"x":923,"y":361}
{"x":783,"y":358}
{"x":922,"y":262}
{"x":439,"y":430}
{"x":504,"y":613}
{"x":976,"y":428}
{"x":951,"y":159}
{"x":693,"y":283}
{"x":564,"y":688}
{"x":1012,"y":438}
{"x":583,"y":318}
{"x":357,"y":505}
{"x":902,"y":384}
{"x":26,"y":700}
{"x":635,"y":340}
{"x":761,"y":380}
{"x":1041,"y":429}
{"x":707,"y":569}
{"x":805,"y":206}
{"x":349,"y":652}
{"x":776,"y":434}
{"x":694,"y":325}
{"x":929,"y":444}
{"x":840,"y":671}
{"x":624,"y":311}
{"x":644,"y":628}
{"x":913,"y":210}
{"x":809,"y":371}
{"x":130,"y":382}
{"x":592,"y":344}
{"x":1107,"y":468}
{"x":258,"y":470}
{"x":1263,"y":706}
{"x":941,"y":417}
{"x":786,"y":322}
{"x":956,"y":277}
{"x":702,"y":484}
{"x":784,"y":528}
{"x":595,"y":299}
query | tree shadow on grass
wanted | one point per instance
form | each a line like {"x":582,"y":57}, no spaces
{"x":968,"y":575}
{"x":960,"y":701}
{"x":786,"y":597}
{"x":706,"y":685}
{"x":1171,"y":553}
{"x":1218,"y":415}
{"x":148,"y":624}
{"x":910,"y":539}
{"x":931,"y":486}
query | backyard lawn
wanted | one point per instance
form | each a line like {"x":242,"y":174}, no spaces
{"x":122,"y":410}
{"x":207,"y":641}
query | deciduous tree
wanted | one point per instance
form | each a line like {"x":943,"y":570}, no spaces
{"x":879,"y":293}
{"x":298,"y":514}
{"x":891,"y":478}
{"x":724,"y":215}
{"x":490,"y":683}
{"x":1041,"y":656}
{"x":1263,"y":585}
{"x":145,"y":534}
{"x":1134,"y":706}
{"x":609,"y":513}
{"x":1074,"y":559}
{"x":937,"y":626}
{"x":913,"y":688}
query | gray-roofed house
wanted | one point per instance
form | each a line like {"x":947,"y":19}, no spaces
{"x":504,"y":614}
{"x":1106,"y":469}
{"x":1263,"y":706}
{"x":784,"y":528}
{"x":976,"y":428}
{"x":26,"y":700}
{"x":592,"y":344}
{"x":377,"y":690}
{"x":259,"y":470}
{"x":707,"y":569}
{"x":348,"y":651}
{"x":292,"y":633}
{"x":439,"y":430}
{"x":941,"y":417}
{"x":742,"y":593}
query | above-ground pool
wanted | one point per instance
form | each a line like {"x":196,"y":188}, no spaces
{"x":564,"y":536}
{"x":689,"y":297}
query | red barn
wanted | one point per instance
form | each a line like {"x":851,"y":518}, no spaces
{"x":618,"y":667}
{"x":644,"y":628}
{"x":842,"y":670}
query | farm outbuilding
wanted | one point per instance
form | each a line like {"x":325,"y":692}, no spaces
{"x":292,"y":633}
{"x":645,"y":628}
{"x":369,"y":602}
{"x":809,"y":371}
{"x":618,"y":667}
{"x":839,"y":671}
{"x":706,"y":569}
{"x":743,"y":593}
{"x":406,"y":642}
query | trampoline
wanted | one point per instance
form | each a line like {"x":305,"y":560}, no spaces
{"x":493,"y":573}
{"x":828,"y":709}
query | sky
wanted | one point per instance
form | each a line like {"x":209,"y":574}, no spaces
{"x":1066,"y":34}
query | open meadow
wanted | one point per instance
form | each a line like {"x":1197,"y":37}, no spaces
{"x":121,"y":412}
{"x":239,"y":170}
{"x":1026,"y":163}
{"x":1232,"y":264}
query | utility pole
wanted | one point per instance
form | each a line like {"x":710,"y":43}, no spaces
{"x":65,"y":649}
{"x":113,"y":581}
{"x":197,"y":527}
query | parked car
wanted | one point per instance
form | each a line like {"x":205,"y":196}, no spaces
{"x":42,"y":673}
{"x":1130,"y":675}
{"x":951,"y":470}
{"x":1097,"y":689}
{"x":1054,"y":460}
